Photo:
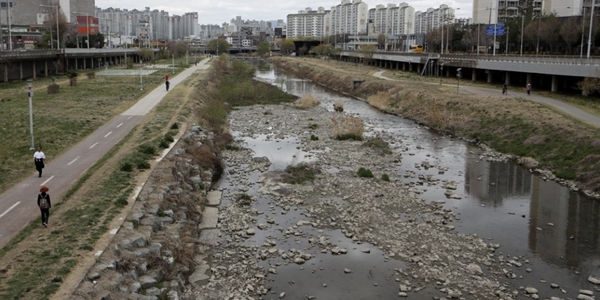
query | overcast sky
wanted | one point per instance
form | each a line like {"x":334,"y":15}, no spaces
{"x":217,"y":12}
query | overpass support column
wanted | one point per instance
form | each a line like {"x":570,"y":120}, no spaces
{"x":46,"y":68}
{"x":419,"y":69}
{"x":403,"y":66}
{"x":85,"y":63}
{"x":34,"y":70}
{"x":76,"y":63}
{"x":409,"y":67}
{"x":20,"y":70}
{"x":489,"y":76}
{"x":554,"y":87}
{"x":6,"y":73}
{"x":474,"y":75}
{"x":528,"y":78}
{"x":507,"y":78}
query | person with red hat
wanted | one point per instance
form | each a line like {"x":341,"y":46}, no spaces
{"x":43,"y":202}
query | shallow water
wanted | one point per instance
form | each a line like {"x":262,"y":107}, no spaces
{"x":557,"y":230}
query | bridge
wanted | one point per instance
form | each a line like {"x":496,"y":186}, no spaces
{"x":553,"y":73}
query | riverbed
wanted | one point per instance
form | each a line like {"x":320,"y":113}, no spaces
{"x":546,"y":235}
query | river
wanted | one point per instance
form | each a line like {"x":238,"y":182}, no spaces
{"x":556,"y":230}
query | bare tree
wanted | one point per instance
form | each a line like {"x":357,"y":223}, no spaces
{"x":381,"y":41}
{"x":434,"y":38}
{"x":570,"y":32}
{"x":549,"y":31}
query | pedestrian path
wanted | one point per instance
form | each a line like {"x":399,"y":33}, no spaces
{"x":561,"y":106}
{"x":18,"y":205}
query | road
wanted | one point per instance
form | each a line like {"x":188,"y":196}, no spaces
{"x":561,"y":106}
{"x":18,"y":205}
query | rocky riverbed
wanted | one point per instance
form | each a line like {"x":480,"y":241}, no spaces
{"x":340,"y":236}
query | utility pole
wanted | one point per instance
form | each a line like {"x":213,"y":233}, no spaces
{"x":590,"y":34}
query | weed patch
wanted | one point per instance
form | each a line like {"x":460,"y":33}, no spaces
{"x":362,"y":172}
{"x":348,"y":128}
{"x":299,"y":174}
{"x":307,"y":101}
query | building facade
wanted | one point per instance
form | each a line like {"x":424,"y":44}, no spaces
{"x":433,"y":18}
{"x":349,"y":17}
{"x":392,"y":19}
{"x":307,"y":23}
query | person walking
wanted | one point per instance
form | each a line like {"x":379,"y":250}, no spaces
{"x":528,"y":88}
{"x":39,"y":159}
{"x":43,"y":202}
{"x":504,"y":89}
{"x":167,"y":84}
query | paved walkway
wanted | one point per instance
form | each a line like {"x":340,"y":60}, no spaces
{"x":564,"y":107}
{"x":18,"y":205}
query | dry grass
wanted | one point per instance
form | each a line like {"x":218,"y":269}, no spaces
{"x":380,"y":100}
{"x":307,"y":101}
{"x":338,"y":105}
{"x":347,"y":127}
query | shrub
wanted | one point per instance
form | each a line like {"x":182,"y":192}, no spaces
{"x":362,"y":172}
{"x":121,"y":202}
{"x":307,"y":101}
{"x":313,"y":126}
{"x":299,"y":174}
{"x":53,"y":88}
{"x":232,"y":147}
{"x":147,"y":149}
{"x":314,"y":137}
{"x":126,"y":166}
{"x":169,"y":137}
{"x":385,"y":177}
{"x":338,"y":105}
{"x":91,"y":75}
{"x":175,"y":125}
{"x":142,"y":164}
{"x":348,"y":127}
{"x":380,"y":100}
{"x":164,"y":144}
{"x":378,"y":144}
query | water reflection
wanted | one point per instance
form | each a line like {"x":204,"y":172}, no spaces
{"x":556,"y":229}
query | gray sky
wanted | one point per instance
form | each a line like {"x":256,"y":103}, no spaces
{"x":217,"y":12}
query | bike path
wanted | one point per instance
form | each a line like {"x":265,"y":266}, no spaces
{"x":18,"y":204}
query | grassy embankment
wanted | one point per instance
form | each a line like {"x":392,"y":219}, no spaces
{"x":82,"y":217}
{"x":567,"y":147}
{"x":35,"y":262}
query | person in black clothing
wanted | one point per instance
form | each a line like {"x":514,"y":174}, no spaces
{"x":167,"y":84}
{"x":43,"y":202}
{"x":504,"y":89}
{"x":39,"y":158}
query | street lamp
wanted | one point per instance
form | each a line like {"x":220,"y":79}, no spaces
{"x":458,"y":79}
{"x":30,"y":95}
{"x":87,"y":21}
{"x":57,"y":30}
{"x":590,"y":34}
{"x":441,"y":72}
{"x":141,"y":86}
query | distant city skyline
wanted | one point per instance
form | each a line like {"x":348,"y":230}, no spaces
{"x":218,"y":12}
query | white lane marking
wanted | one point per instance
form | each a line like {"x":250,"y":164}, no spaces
{"x":10,"y":208}
{"x":130,"y":117}
{"x":108,"y":134}
{"x":94,"y":145}
{"x":47,"y":180}
{"x":76,"y":158}
{"x":119,"y":125}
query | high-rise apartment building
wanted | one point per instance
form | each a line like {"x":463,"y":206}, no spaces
{"x":349,"y":17}
{"x":492,"y":11}
{"x":307,"y":23}
{"x":433,"y":18}
{"x":392,"y":19}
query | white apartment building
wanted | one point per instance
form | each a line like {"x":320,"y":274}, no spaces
{"x":393,"y":19}
{"x":307,"y":22}
{"x":491,"y":11}
{"x":433,"y":18}
{"x":349,"y":17}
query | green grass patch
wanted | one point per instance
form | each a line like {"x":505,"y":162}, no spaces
{"x":385,"y":177}
{"x":366,"y":173}
{"x":299,"y":174}
{"x":314,"y":137}
{"x":232,"y":147}
{"x":313,"y":126}
{"x":348,"y":136}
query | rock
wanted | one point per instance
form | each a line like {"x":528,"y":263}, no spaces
{"x":153,"y":291}
{"x":531,"y":290}
{"x":281,"y":295}
{"x":584,"y":297}
{"x":586,"y":292}
{"x":147,"y":281}
{"x":594,"y":280}
{"x":366,"y":250}
{"x":135,"y":287}
{"x":299,"y":260}
{"x":347,"y":271}
{"x":94,"y":276}
{"x":475,"y":269}
{"x":250,"y":231}
{"x":402,"y":294}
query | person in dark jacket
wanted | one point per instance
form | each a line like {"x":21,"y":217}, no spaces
{"x":43,"y":202}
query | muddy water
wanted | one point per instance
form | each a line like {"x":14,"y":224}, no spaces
{"x":556,"y":230}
